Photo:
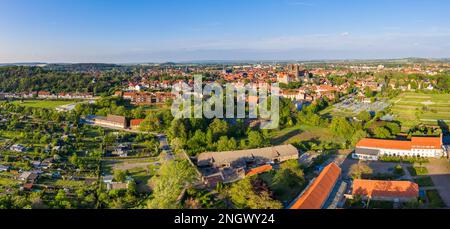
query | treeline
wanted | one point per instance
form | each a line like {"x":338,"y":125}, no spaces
{"x":19,"y":79}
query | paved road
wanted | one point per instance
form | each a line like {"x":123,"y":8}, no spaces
{"x":439,"y":171}
{"x":164,"y":145}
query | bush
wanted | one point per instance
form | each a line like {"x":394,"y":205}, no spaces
{"x":409,"y":160}
{"x":417,"y":171}
{"x":434,"y":199}
{"x":424,"y":181}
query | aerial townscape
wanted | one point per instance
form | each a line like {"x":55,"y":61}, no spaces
{"x":352,"y":134}
{"x":228,"y":105}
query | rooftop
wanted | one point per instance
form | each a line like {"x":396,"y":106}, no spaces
{"x":267,"y":153}
{"x":415,"y":142}
{"x":317,"y":193}
{"x":380,"y":188}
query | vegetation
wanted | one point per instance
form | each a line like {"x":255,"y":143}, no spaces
{"x":357,"y":171}
{"x":172,"y":178}
{"x":252,"y":193}
{"x":434,"y":199}
{"x":417,"y":171}
{"x":424,"y":181}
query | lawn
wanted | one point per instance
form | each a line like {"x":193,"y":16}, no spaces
{"x":412,"y":108}
{"x":434,"y":199}
{"x":48,"y":104}
{"x":417,"y":171}
{"x":424,"y":181}
{"x":304,"y":133}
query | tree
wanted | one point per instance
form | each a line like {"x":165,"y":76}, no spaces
{"x":381,"y":132}
{"x":243,"y":194}
{"x":218,"y":128}
{"x":255,"y":139}
{"x":61,"y":200}
{"x":120,"y":175}
{"x":359,"y":134}
{"x":289,"y":175}
{"x":172,"y":177}
{"x":340,"y":126}
{"x":360,"y":169}
{"x":364,"y":116}
{"x":368,"y":92}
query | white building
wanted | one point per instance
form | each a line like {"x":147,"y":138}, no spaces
{"x":371,"y":149}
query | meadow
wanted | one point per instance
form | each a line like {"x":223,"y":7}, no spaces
{"x":47,"y":104}
{"x":412,"y":108}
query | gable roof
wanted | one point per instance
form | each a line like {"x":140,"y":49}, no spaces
{"x":426,"y":142}
{"x":316,"y":194}
{"x":258,"y":170}
{"x":267,"y":153}
{"x":384,"y":144}
{"x":415,"y":143}
{"x":381,"y":188}
{"x":136,"y":122}
{"x":116,"y":118}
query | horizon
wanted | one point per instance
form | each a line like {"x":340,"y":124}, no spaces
{"x":237,"y":61}
{"x":132,"y":32}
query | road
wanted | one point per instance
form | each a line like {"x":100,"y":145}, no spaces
{"x":164,"y":145}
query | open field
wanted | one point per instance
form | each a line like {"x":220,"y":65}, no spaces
{"x":304,"y":133}
{"x":48,"y":104}
{"x":412,"y":108}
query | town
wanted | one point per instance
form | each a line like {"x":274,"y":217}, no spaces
{"x":352,"y":134}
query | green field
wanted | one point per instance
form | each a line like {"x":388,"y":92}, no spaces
{"x":414,"y":108}
{"x":304,"y":133}
{"x":48,"y":104}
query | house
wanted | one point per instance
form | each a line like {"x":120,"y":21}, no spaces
{"x":319,"y":189}
{"x":4,"y":168}
{"x":245,"y":157}
{"x":385,"y":190}
{"x":135,"y":123}
{"x":17,"y":148}
{"x":47,"y":163}
{"x":29,"y":177}
{"x":108,"y":179}
{"x":45,"y":94}
{"x":114,"y":121}
{"x":121,"y":151}
{"x":36,"y":164}
{"x":371,"y":149}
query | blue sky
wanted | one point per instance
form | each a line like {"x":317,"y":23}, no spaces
{"x":116,"y":31}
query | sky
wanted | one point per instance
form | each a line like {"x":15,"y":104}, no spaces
{"x":139,"y":31}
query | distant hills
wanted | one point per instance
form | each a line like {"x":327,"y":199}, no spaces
{"x":105,"y":66}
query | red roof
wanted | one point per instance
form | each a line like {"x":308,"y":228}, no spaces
{"x":381,"y":188}
{"x":426,"y":142}
{"x":136,"y":122}
{"x":416,"y":142}
{"x":258,"y":170}
{"x":384,"y":144}
{"x":318,"y":191}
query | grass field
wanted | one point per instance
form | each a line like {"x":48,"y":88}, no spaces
{"x":412,"y":108}
{"x":48,"y":104}
{"x":304,"y":133}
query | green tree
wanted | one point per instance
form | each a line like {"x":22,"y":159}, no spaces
{"x":171,"y":179}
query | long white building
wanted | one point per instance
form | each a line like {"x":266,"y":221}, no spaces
{"x":371,"y":149}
